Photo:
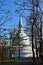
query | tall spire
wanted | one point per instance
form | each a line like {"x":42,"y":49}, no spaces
{"x":20,"y":23}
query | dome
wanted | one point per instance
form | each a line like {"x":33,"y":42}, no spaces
{"x":24,"y":38}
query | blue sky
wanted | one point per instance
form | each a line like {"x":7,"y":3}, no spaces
{"x":13,"y":22}
{"x":9,"y":5}
{"x":14,"y":19}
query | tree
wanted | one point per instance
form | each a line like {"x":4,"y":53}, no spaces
{"x":4,"y":43}
{"x":32,"y":7}
{"x":12,"y":42}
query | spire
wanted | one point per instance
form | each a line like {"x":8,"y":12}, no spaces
{"x":20,"y":23}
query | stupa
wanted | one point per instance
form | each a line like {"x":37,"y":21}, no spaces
{"x":24,"y":41}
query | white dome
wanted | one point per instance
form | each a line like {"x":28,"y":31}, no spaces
{"x":24,"y":38}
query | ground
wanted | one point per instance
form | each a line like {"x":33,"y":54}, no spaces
{"x":22,"y":63}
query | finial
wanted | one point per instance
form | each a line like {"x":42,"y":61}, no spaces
{"x":20,"y":22}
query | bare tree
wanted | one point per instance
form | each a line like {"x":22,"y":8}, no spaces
{"x":12,"y":41}
{"x":31,"y":8}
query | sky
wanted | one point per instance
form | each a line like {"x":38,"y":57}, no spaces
{"x":9,"y":5}
{"x":14,"y":19}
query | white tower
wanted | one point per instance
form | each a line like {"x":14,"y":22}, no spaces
{"x":26,"y":49}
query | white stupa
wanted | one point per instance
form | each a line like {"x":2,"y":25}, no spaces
{"x":26,"y":49}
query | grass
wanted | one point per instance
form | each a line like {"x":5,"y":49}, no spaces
{"x":10,"y":60}
{"x":15,"y":60}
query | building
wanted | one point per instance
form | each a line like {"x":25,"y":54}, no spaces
{"x":25,"y":47}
